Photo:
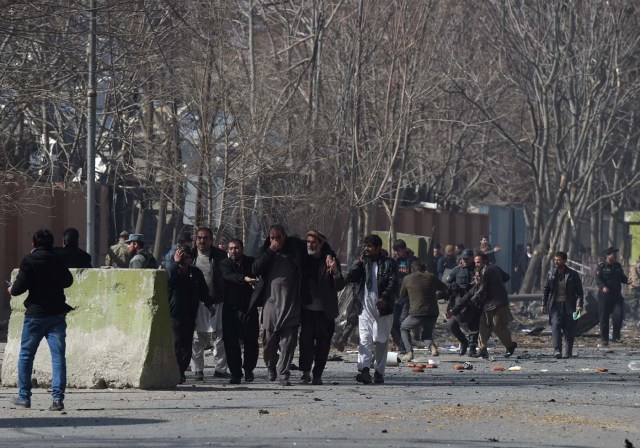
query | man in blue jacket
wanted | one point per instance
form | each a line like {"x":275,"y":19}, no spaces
{"x":45,"y":277}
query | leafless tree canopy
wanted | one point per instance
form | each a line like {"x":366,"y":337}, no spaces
{"x":236,"y":113}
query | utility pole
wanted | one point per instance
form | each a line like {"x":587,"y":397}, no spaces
{"x":91,"y":136}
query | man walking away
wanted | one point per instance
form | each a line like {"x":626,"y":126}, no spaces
{"x":45,"y":277}
{"x":610,"y":278}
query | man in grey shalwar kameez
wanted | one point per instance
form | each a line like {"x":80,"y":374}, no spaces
{"x":281,"y":291}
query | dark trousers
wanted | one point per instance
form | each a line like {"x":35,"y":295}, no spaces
{"x":316,"y":331}
{"x":286,"y":340}
{"x":411,"y":323}
{"x":562,"y":324}
{"x":183,"y":341}
{"x":400,"y":313}
{"x":610,"y":306}
{"x":236,"y":327}
{"x":455,"y":326}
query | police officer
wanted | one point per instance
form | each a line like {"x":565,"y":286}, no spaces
{"x":610,"y":277}
{"x":460,"y":281}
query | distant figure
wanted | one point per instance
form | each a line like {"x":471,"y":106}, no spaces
{"x":70,"y":254}
{"x":45,"y":277}
{"x":118,"y":255}
{"x":140,"y":258}
{"x":488,"y":249}
{"x":610,"y":278}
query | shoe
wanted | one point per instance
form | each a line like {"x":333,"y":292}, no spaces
{"x":292,"y":366}
{"x":235,"y":380}
{"x":317,"y":381}
{"x":248,"y":376}
{"x":224,"y":375}
{"x":198,"y":376}
{"x":364,"y":376}
{"x":21,"y":402}
{"x":603,"y":344}
{"x":285,"y":382}
{"x":557,"y":354}
{"x":339,"y":345}
{"x":378,"y":378}
{"x":567,"y":355}
{"x":473,"y":352}
{"x":482,"y":354}
{"x":407,"y":357}
{"x":463,"y":348}
{"x":57,"y":405}
{"x":616,"y":341}
{"x":182,"y":379}
{"x":273,"y":374}
{"x":305,"y":378}
{"x":510,"y":350}
{"x":434,"y":350}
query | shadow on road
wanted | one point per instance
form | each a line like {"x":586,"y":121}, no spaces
{"x":62,"y":421}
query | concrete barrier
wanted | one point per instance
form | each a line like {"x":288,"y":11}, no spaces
{"x":118,"y":336}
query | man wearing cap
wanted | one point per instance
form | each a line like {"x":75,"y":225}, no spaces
{"x":317,"y":319}
{"x":460,"y":282}
{"x":118,"y":255}
{"x":610,"y":277}
{"x":561,"y":297}
{"x":140,"y":258}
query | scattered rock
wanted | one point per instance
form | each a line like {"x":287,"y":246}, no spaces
{"x":263,"y":411}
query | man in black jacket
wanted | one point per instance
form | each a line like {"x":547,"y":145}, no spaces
{"x":45,"y":277}
{"x":561,"y":297}
{"x":281,"y":291}
{"x":70,"y":253}
{"x":376,"y":277}
{"x":187,"y":288}
{"x":318,"y":316}
{"x":460,"y":282}
{"x":238,"y":322}
{"x":610,"y":277}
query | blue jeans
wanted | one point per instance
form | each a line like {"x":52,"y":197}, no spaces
{"x":54,"y":328}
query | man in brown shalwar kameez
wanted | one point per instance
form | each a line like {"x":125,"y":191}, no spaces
{"x":280,"y":291}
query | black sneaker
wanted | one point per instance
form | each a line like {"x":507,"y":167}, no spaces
{"x":20,"y":402}
{"x":224,"y":375}
{"x":510,"y":350}
{"x":364,"y":376}
{"x":473,"y":352}
{"x":285,"y":382}
{"x":57,"y":405}
{"x":557,"y":354}
{"x":378,"y":378}
{"x":182,"y":379}
{"x":273,"y":374}
{"x":463,"y":348}
{"x":248,"y":376}
{"x":316,"y":381}
{"x":235,"y":380}
{"x":482,"y":354}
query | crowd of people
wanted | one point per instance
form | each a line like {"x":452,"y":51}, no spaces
{"x":287,"y":295}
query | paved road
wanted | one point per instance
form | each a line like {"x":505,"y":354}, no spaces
{"x":549,"y":403}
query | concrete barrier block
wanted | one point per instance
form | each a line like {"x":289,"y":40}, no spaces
{"x":118,"y":336}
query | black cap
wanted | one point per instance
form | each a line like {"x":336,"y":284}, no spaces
{"x":611,"y":250}
{"x":467,"y":253}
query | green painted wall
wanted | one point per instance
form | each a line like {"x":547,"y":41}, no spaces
{"x":119,"y":335}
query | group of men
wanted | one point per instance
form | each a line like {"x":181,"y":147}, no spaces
{"x":296,"y":283}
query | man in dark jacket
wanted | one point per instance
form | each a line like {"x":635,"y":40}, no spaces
{"x":562,"y":296}
{"x":238,"y":322}
{"x":45,"y":277}
{"x":281,"y":291}
{"x":318,"y":316}
{"x":187,"y":288}
{"x":420,"y":288}
{"x":376,"y":277}
{"x":70,"y":254}
{"x":460,"y":282}
{"x":496,"y":315}
{"x":610,"y":277}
